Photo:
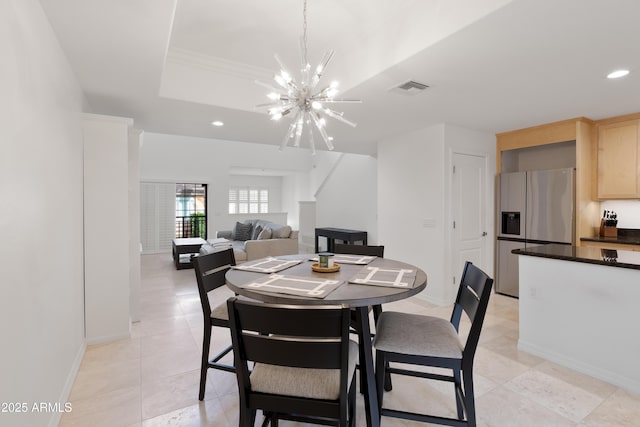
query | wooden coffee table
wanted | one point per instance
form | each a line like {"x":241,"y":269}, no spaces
{"x":185,"y":247}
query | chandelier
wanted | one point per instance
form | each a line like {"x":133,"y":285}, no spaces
{"x":303,"y":101}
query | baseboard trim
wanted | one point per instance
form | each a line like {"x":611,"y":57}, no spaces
{"x":110,"y":338}
{"x":66,"y":390}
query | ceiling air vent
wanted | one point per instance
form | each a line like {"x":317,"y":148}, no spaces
{"x":410,"y":87}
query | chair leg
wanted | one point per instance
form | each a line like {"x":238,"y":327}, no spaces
{"x":247,"y":416}
{"x":388,"y":386}
{"x":352,"y":402}
{"x":204,"y":367}
{"x":381,"y":374}
{"x":267,"y":418}
{"x":357,"y":326}
{"x":363,"y":384}
{"x":457,"y":385}
{"x":377,"y":311}
{"x":469,"y":397}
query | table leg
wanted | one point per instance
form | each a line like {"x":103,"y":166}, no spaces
{"x":176,"y":256}
{"x":366,"y":352}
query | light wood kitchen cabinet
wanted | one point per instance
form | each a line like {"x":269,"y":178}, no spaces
{"x":619,"y":160}
{"x":616,"y":246}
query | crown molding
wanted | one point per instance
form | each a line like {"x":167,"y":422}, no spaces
{"x":215,"y":64}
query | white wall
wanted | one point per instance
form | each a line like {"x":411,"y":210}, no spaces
{"x":347,"y":197}
{"x":628,"y":212}
{"x":209,"y":161}
{"x":41,"y":274}
{"x":135,"y":140}
{"x":323,"y":163}
{"x":414,"y":190}
{"x":410,"y":190}
{"x":295,"y":187}
{"x":106,"y":227}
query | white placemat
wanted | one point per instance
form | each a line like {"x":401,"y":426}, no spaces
{"x":390,"y":277}
{"x":294,"y":285}
{"x":267,"y":265}
{"x":349,"y":259}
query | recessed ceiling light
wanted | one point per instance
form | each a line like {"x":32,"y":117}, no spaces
{"x":617,"y":74}
{"x":217,"y":123}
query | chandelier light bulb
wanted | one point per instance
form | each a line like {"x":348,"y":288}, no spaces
{"x":617,"y":74}
{"x":285,"y":76}
{"x":275,"y":113}
{"x":281,"y":81}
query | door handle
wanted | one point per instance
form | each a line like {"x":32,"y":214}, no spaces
{"x":484,"y":233}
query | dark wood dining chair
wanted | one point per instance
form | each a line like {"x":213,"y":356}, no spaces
{"x":342,"y":248}
{"x":210,"y":273}
{"x":371,"y":250}
{"x":362,"y":250}
{"x":303,"y":362}
{"x":432,"y":341}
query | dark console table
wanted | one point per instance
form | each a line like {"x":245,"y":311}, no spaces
{"x":348,"y":236}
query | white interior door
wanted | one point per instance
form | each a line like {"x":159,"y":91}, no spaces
{"x":469,"y":189}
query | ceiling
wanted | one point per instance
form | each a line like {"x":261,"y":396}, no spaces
{"x":174,"y":66}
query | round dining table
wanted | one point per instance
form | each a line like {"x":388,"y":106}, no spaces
{"x":357,"y":296}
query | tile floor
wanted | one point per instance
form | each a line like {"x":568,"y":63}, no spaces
{"x":152,"y":378}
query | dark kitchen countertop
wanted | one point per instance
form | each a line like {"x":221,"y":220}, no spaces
{"x":589,"y":255}
{"x":626,"y":236}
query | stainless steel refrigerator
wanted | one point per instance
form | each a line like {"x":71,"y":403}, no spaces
{"x":535,"y":208}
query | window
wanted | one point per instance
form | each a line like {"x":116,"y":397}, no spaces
{"x":248,"y":200}
{"x":191,"y":210}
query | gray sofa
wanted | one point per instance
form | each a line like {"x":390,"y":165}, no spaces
{"x":256,"y":238}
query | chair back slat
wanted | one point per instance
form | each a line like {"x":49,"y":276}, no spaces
{"x":472,"y":299}
{"x":210,"y":270}
{"x":314,"y":321}
{"x":340,"y":248}
{"x":319,"y":353}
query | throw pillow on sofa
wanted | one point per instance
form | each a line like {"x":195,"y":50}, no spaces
{"x":280,"y":231}
{"x":256,"y":232}
{"x":265,"y":234}
{"x":241,"y":232}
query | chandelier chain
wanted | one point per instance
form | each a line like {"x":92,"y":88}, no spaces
{"x":304,"y":33}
